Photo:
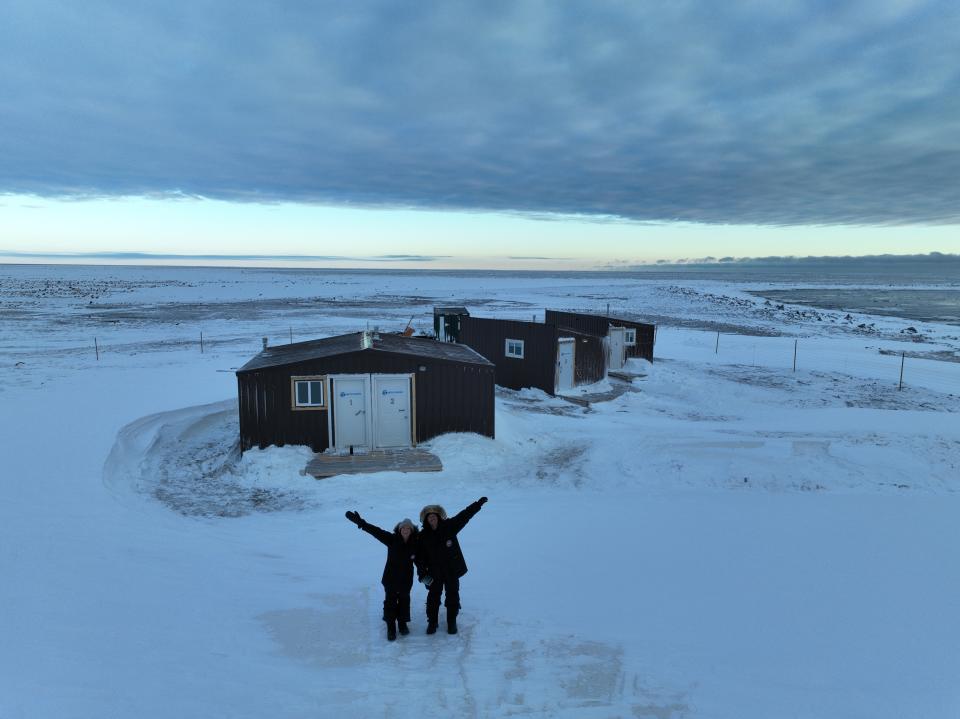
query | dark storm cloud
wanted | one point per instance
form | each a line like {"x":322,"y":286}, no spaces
{"x":746,"y":112}
{"x":937,"y":260}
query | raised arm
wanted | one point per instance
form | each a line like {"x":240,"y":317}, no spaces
{"x":460,"y":519}
{"x":372,"y":529}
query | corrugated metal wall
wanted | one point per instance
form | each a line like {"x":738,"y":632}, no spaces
{"x":598,"y":324}
{"x":537,"y":368}
{"x":590,"y":357}
{"x":450,"y":397}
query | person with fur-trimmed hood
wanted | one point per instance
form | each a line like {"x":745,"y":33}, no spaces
{"x":440,"y":562}
{"x":397,"y":577}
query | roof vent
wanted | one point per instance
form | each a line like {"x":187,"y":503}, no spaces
{"x":366,"y":341}
{"x":265,"y":342}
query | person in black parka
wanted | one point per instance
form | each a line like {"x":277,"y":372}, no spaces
{"x":397,"y":577}
{"x":440,"y":562}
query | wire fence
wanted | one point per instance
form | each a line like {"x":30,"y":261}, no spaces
{"x":105,"y":345}
{"x":899,"y":364}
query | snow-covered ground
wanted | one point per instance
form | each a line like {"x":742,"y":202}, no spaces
{"x":733,"y":538}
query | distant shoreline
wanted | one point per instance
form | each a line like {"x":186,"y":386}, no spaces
{"x":884,"y":272}
{"x":921,"y":305}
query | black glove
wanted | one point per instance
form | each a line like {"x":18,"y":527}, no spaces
{"x":482,"y":501}
{"x":354,"y":517}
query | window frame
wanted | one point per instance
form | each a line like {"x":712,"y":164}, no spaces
{"x":508,"y":353}
{"x":294,"y":400}
{"x":627,"y":334}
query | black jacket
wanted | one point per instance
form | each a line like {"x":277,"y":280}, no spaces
{"x":438,"y":551}
{"x":398,"y":571}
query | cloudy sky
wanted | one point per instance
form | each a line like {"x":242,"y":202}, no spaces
{"x":448,"y":132}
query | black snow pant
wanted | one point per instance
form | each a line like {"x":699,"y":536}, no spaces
{"x":396,"y":604}
{"x":452,"y":601}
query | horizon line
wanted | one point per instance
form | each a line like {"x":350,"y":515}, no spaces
{"x":414,"y":263}
{"x":404,"y":258}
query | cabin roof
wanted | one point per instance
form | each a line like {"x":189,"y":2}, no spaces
{"x":344,"y":344}
{"x":450,"y":311}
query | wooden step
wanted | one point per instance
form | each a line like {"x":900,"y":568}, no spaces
{"x":625,"y":376}
{"x":386,"y":460}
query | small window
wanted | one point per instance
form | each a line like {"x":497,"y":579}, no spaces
{"x":308,"y":392}
{"x":630,"y":337}
{"x":514,"y":348}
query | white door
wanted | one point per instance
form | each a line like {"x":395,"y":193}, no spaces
{"x":351,"y":402}
{"x":391,"y":411}
{"x":618,"y":347}
{"x":566,"y":348}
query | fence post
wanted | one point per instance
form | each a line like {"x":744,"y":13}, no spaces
{"x":291,"y":335}
{"x":96,"y":348}
{"x":903,"y":356}
{"x":795,"y":355}
{"x":201,"y":342}
{"x":716,"y":350}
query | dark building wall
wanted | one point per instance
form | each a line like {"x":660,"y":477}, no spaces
{"x":451,"y":326}
{"x":450,"y":397}
{"x":538,"y":368}
{"x":590,"y":357}
{"x":599,"y":324}
{"x":646,"y":336}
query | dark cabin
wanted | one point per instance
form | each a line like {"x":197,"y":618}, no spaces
{"x":638,"y":336}
{"x":530,"y":354}
{"x":363,"y":391}
{"x":446,"y":323}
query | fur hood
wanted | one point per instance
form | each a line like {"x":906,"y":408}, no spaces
{"x":432,"y":509}
{"x":408,"y":522}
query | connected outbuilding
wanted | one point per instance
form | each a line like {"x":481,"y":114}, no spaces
{"x":446,"y":322}
{"x":567,"y":349}
{"x":625,"y":338}
{"x":364,"y":391}
{"x":533,"y":354}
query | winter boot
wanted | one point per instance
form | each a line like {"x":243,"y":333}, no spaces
{"x":431,"y":627}
{"x":402,"y":626}
{"x":452,"y":621}
{"x":391,"y":630}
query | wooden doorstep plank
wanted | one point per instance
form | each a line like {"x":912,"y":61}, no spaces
{"x":415,"y":460}
{"x":625,"y":376}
